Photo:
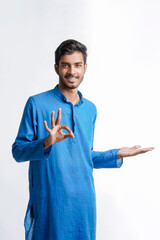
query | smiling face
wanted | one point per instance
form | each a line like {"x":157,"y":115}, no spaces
{"x":71,"y":70}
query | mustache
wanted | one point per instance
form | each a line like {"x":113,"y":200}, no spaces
{"x":70,"y":75}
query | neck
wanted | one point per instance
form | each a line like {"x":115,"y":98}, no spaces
{"x":71,"y":94}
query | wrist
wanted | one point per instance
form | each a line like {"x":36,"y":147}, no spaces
{"x":119,"y":154}
{"x":47,"y":142}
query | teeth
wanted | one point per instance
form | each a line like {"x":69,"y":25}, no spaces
{"x":72,"y":78}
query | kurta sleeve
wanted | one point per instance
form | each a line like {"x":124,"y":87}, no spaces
{"x":27,"y":147}
{"x":105,"y":159}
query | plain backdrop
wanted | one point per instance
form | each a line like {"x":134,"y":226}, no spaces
{"x":123,"y":40}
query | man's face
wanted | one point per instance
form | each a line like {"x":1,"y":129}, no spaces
{"x":71,"y":70}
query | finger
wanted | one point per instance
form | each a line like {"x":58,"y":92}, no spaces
{"x":52,"y":120}
{"x":67,"y":128}
{"x":68,"y":135}
{"x":143,"y":150}
{"x":136,"y":147}
{"x":65,"y":135}
{"x":46,"y":126}
{"x":58,"y":117}
{"x":60,"y":131}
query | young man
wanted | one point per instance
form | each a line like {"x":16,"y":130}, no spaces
{"x":62,"y":202}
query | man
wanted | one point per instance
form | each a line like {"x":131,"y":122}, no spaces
{"x":62,"y":202}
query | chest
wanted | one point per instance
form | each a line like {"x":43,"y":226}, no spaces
{"x":77,"y":118}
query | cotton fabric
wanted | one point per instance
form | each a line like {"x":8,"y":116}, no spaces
{"x":62,"y":203}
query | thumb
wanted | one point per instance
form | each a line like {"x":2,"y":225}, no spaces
{"x":68,"y":135}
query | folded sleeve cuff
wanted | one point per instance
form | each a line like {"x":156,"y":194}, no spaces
{"x":119,"y":162}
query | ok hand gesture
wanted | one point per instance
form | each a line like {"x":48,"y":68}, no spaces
{"x":55,"y":133}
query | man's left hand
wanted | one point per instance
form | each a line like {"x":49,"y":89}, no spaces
{"x":132,"y":151}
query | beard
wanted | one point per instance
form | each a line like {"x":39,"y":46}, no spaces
{"x":70,"y":85}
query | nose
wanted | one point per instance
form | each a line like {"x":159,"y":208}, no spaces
{"x":71,"y":69}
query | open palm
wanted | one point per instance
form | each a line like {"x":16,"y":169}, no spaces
{"x":132,"y":151}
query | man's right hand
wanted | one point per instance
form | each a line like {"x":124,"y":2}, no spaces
{"x":55,"y":133}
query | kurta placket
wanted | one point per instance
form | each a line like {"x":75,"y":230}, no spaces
{"x":62,"y":203}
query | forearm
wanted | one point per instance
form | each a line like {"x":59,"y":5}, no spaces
{"x":29,"y":151}
{"x":106,"y":159}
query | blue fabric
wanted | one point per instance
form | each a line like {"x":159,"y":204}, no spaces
{"x":62,"y":204}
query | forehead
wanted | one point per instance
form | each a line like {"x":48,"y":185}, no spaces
{"x":72,"y":58}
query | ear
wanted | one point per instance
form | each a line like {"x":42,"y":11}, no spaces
{"x":85,"y":67}
{"x":56,"y":68}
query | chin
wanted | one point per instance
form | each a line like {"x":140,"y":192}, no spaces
{"x":70,"y":85}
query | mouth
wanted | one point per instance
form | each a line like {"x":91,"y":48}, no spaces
{"x":71,"y":78}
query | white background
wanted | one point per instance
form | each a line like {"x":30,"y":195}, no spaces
{"x":123,"y":40}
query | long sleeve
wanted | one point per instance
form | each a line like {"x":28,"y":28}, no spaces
{"x":27,"y":147}
{"x":105,"y":159}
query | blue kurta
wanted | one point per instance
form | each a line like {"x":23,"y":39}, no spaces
{"x":62,"y":202}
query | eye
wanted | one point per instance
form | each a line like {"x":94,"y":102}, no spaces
{"x":78,"y":65}
{"x":64,"y":65}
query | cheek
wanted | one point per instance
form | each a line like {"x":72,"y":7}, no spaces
{"x":81,"y":73}
{"x":62,"y":72}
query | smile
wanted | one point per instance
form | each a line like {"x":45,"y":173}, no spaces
{"x":71,"y":79}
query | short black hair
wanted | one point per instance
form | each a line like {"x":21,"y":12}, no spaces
{"x":68,"y":47}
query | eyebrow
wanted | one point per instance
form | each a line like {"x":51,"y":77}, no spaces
{"x":73,"y":63}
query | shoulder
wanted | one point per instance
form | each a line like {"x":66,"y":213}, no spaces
{"x":42,"y":95}
{"x":89,"y":103}
{"x":40,"y":98}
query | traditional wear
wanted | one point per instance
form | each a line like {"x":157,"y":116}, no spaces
{"x":62,"y":202}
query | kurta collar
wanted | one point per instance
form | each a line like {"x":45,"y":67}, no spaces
{"x":61,"y":96}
